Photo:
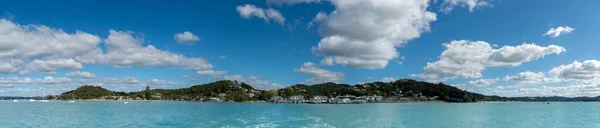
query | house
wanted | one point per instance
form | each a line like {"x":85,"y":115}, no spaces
{"x":319,"y":99}
{"x":345,"y":101}
{"x":157,"y":96}
{"x":346,"y":96}
{"x":213,"y":99}
{"x":297,"y":99}
{"x":250,"y":94}
{"x":360,"y":100}
{"x":276,"y":99}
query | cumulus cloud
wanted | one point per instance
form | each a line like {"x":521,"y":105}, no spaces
{"x":156,"y":83}
{"x":78,"y":74}
{"x":319,"y":75}
{"x":364,"y":34}
{"x":291,"y":2}
{"x":186,"y":37}
{"x":27,"y":80}
{"x":530,"y":78}
{"x":10,"y":66}
{"x":125,"y":50}
{"x":466,"y":59}
{"x":255,"y":81}
{"x":586,"y":71}
{"x":477,"y":83}
{"x":591,"y":90}
{"x":212,"y":73}
{"x":47,"y":50}
{"x":448,"y":5}
{"x":320,"y":17}
{"x":52,"y":80}
{"x":51,"y":66}
{"x":248,"y":11}
{"x":39,"y":41}
{"x":125,"y":80}
{"x":555,"y":32}
{"x":6,"y":86}
{"x":15,"y":80}
{"x":387,"y":79}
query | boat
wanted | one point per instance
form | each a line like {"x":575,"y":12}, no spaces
{"x":126,"y":102}
{"x":44,"y":101}
{"x":15,"y":100}
{"x":31,"y":100}
{"x":71,"y":101}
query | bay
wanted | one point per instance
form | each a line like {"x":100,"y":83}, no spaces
{"x":214,"y":115}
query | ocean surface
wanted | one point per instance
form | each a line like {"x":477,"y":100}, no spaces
{"x":25,"y":114}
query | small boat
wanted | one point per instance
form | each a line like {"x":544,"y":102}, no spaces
{"x":72,"y":101}
{"x":44,"y":101}
{"x":126,"y":102}
{"x":15,"y":100}
{"x":31,"y":100}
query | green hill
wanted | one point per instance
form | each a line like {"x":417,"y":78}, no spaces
{"x":234,"y":91}
{"x":86,"y":92}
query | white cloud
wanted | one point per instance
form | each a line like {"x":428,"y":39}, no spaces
{"x":255,"y":82}
{"x":530,"y":78}
{"x":248,"y":11}
{"x":125,"y":50}
{"x":38,"y":41}
{"x":477,"y":83}
{"x":48,"y":49}
{"x":448,"y":5}
{"x":156,"y":83}
{"x":45,"y":80}
{"x":6,"y":86}
{"x":591,"y":90}
{"x":186,"y":37}
{"x":364,"y":34}
{"x":320,"y":17}
{"x":10,"y":66}
{"x":212,"y":73}
{"x":51,"y":66}
{"x":15,"y":80}
{"x":190,"y":77}
{"x":52,"y":80}
{"x":291,"y":2}
{"x":319,"y":75}
{"x":466,"y":59}
{"x":126,"y":80}
{"x":387,"y":79}
{"x":555,"y":32}
{"x":586,"y":71}
{"x":78,"y":74}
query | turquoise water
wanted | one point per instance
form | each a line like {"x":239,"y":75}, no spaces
{"x":196,"y":114}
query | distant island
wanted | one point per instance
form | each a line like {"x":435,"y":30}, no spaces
{"x":404,"y":90}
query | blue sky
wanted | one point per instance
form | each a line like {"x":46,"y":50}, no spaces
{"x":506,"y":48}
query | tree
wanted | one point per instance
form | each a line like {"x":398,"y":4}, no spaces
{"x":147,"y":93}
{"x":272,"y":93}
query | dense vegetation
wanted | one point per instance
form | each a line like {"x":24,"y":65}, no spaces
{"x":86,"y":92}
{"x":402,"y":88}
{"x":227,"y":90}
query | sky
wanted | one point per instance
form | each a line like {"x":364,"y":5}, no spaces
{"x":492,"y":47}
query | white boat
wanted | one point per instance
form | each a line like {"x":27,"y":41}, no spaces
{"x":44,"y":101}
{"x":126,"y":102}
{"x":72,"y":101}
{"x":31,"y":100}
{"x":15,"y":100}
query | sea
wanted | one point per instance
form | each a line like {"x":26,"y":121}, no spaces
{"x":62,"y":114}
